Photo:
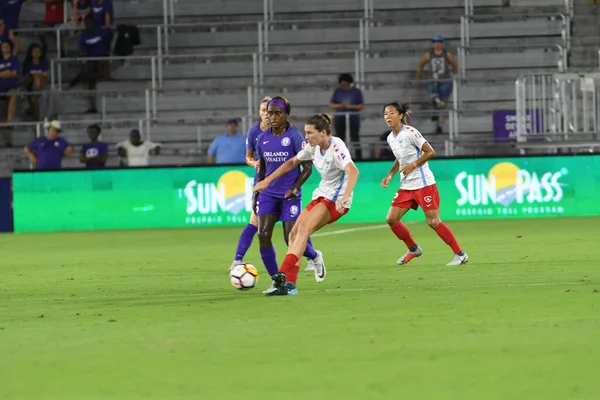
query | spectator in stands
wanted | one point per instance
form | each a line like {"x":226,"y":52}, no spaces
{"x":9,"y":83}
{"x":440,"y":89}
{"x":54,"y":16}
{"x":228,"y":148}
{"x":384,"y":151}
{"x":81,"y":9}
{"x":93,"y":42}
{"x":7,"y":35}
{"x":48,"y":151}
{"x":103,"y":13}
{"x":94,"y":153}
{"x":137,"y":152}
{"x":11,"y":11}
{"x":347,"y":98}
{"x":35,"y":76}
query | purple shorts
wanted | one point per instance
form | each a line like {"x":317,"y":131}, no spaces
{"x":287,"y":210}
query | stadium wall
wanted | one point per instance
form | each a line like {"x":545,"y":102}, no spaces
{"x":202,"y":196}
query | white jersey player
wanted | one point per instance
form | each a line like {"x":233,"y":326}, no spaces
{"x":331,"y":200}
{"x":417,"y":184}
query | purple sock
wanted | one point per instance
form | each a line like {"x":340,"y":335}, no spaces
{"x":269,"y":258}
{"x":245,"y":241}
{"x":310,"y":252}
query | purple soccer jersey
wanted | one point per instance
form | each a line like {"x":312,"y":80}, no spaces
{"x":275,"y":151}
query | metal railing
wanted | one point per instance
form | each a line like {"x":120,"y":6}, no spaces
{"x":557,"y":107}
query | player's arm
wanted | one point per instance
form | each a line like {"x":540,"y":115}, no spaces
{"x":282,"y":170}
{"x":422,"y":64}
{"x":82,"y":158}
{"x":304,"y":175}
{"x":452,"y":60}
{"x":428,"y":154}
{"x":250,"y":161}
{"x":393,"y":171}
{"x":352,"y":172}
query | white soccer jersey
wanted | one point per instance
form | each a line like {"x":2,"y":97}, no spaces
{"x":330,"y":165}
{"x":406,"y":146}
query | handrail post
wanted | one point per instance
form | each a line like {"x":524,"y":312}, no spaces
{"x":271,"y":10}
{"x":250,"y":105}
{"x":147,"y":114}
{"x":58,"y":45}
{"x":38,"y":130}
{"x":165,"y":12}
{"x":159,"y":55}
{"x":172,"y":11}
{"x":199,"y":136}
{"x":265,"y":10}
{"x":103,"y":107}
{"x":53,"y":72}
{"x":357,"y":68}
{"x":347,"y":133}
{"x":59,"y":74}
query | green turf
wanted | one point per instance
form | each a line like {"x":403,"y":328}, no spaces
{"x":151,"y":315}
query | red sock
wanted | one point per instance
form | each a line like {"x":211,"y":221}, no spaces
{"x":292,"y":276}
{"x":447,"y":236}
{"x":401,"y":231}
{"x":288,"y":263}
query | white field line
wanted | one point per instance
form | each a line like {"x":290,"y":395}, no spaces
{"x":350,"y":230}
{"x":340,"y":290}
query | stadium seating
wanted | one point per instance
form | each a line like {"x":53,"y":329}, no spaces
{"x":211,"y":52}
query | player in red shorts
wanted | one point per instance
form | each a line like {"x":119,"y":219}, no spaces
{"x":330,"y":201}
{"x":418,"y":186}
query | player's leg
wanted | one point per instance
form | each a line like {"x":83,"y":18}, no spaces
{"x":245,"y":240}
{"x":309,"y":222}
{"x":429,"y":200}
{"x":266,"y":224}
{"x":402,"y":203}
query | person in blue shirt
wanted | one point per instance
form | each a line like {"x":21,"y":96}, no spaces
{"x":228,"y":148}
{"x":93,"y":42}
{"x":347,"y":98}
{"x":11,"y":11}
{"x":9,"y":83}
{"x":7,"y":35}
{"x":48,"y":151}
{"x":282,"y":200}
{"x":35,"y":75}
{"x":95,"y":153}
{"x":254,"y":132}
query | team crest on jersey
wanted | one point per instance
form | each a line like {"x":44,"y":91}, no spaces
{"x":285,"y":141}
{"x":341,"y":157}
{"x":427,"y":199}
{"x":294,"y":210}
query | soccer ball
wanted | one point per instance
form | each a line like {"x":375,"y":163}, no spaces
{"x":244,"y":276}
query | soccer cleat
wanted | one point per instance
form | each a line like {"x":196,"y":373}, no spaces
{"x":458,"y":260}
{"x":234,"y":264}
{"x":278,"y":280}
{"x":410,"y":255}
{"x":289,"y":289}
{"x":319,"y":264}
{"x":270,"y":289}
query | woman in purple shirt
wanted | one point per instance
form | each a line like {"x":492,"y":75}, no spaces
{"x":250,"y":230}
{"x":9,"y":82}
{"x":47,"y":152}
{"x":11,"y":11}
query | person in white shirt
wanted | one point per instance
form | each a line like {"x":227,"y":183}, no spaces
{"x":137,"y":152}
{"x":330,"y":201}
{"x":417,"y":182}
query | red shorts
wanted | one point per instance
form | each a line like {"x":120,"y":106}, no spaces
{"x":334,"y":214}
{"x":428,"y":198}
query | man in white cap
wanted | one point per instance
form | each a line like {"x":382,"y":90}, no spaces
{"x":47,"y":152}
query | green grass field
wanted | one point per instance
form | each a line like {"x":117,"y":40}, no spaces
{"x":152,"y":315}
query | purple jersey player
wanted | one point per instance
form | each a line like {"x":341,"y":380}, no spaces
{"x":282,"y":200}
{"x":252,"y":161}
